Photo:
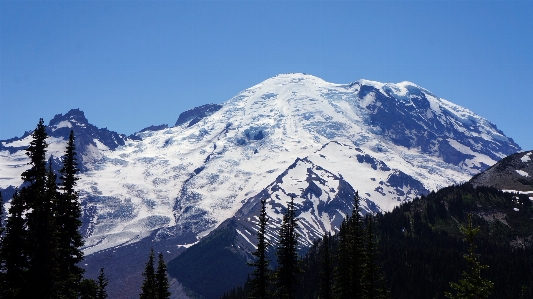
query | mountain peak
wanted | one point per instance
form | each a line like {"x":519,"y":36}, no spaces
{"x":75,"y":117}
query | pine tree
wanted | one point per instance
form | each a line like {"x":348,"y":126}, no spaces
{"x":325,"y":291}
{"x":13,"y":251}
{"x":342,"y":274}
{"x":43,"y":271}
{"x":68,"y":213}
{"x":372,"y":283}
{"x":88,"y":289}
{"x":162,"y":279}
{"x":102,"y":283}
{"x":287,"y":254}
{"x":37,"y":195}
{"x":2,"y":226}
{"x":261,"y":274}
{"x":149,"y":287}
{"x":471,"y":286}
{"x":350,"y":256}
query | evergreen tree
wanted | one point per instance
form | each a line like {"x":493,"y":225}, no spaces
{"x":162,"y":279}
{"x":43,"y":271}
{"x":13,"y":251}
{"x":68,"y":213}
{"x":102,"y":283}
{"x":88,"y":289}
{"x":372,"y":279}
{"x":342,"y":274}
{"x":149,"y":287}
{"x":325,"y":291}
{"x":261,"y":274}
{"x":287,"y":254}
{"x":35,"y":176}
{"x":471,"y":286}
{"x":2,"y":226}
{"x":37,"y":195}
{"x":350,"y":256}
{"x":356,"y":246}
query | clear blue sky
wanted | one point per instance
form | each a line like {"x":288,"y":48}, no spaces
{"x":131,"y":64}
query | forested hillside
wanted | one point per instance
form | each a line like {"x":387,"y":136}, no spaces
{"x":420,"y":247}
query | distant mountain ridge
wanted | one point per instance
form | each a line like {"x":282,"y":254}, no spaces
{"x":514,"y":172}
{"x":293,"y":134}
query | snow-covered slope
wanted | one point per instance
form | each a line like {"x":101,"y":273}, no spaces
{"x":390,"y":142}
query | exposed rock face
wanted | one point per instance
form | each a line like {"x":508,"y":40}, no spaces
{"x":193,"y":116}
{"x":514,"y":172}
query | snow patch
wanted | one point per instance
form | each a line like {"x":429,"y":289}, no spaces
{"x":522,"y":173}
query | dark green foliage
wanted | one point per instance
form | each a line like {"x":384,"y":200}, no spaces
{"x":68,"y":213}
{"x":155,"y":284}
{"x":471,"y":285}
{"x":39,"y":195}
{"x":419,"y":246}
{"x":93,"y":289}
{"x":350,"y":256}
{"x":287,"y":255}
{"x":372,"y":279}
{"x":261,"y":276}
{"x":13,"y":251}
{"x":88,"y":289}
{"x":149,"y":287}
{"x":326,"y":272}
{"x":420,"y":260}
{"x":40,"y":248}
{"x":162,"y":279}
{"x":36,"y":174}
{"x":102,"y":284}
{"x":2,"y":226}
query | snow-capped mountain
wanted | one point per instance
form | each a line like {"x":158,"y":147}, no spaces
{"x":291,"y":134}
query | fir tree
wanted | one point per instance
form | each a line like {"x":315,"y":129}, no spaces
{"x":2,"y":226}
{"x":325,"y":291}
{"x":372,"y":283}
{"x":38,"y":194}
{"x":149,"y":287}
{"x":350,"y":256}
{"x":261,"y":274}
{"x":102,"y":283}
{"x":13,"y":251}
{"x":472,"y":285}
{"x":43,"y":271}
{"x":68,"y":213}
{"x":88,"y":289}
{"x":342,"y":274}
{"x":287,"y":254}
{"x":36,"y":174}
{"x":162,"y":279}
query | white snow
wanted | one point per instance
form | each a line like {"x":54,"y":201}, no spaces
{"x":522,"y":173}
{"x":526,"y":158}
{"x":63,"y":124}
{"x":135,"y":188}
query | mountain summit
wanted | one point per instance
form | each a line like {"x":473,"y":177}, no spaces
{"x":293,"y":135}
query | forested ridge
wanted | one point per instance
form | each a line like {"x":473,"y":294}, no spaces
{"x":421,"y":248}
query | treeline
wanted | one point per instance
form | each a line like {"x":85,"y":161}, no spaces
{"x":40,"y":247}
{"x":345,"y":266}
{"x":40,"y":242}
{"x":428,"y":248}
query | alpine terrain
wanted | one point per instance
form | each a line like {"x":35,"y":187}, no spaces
{"x":293,"y":135}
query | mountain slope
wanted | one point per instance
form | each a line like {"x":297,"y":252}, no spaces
{"x":390,"y":142}
{"x":514,"y":172}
